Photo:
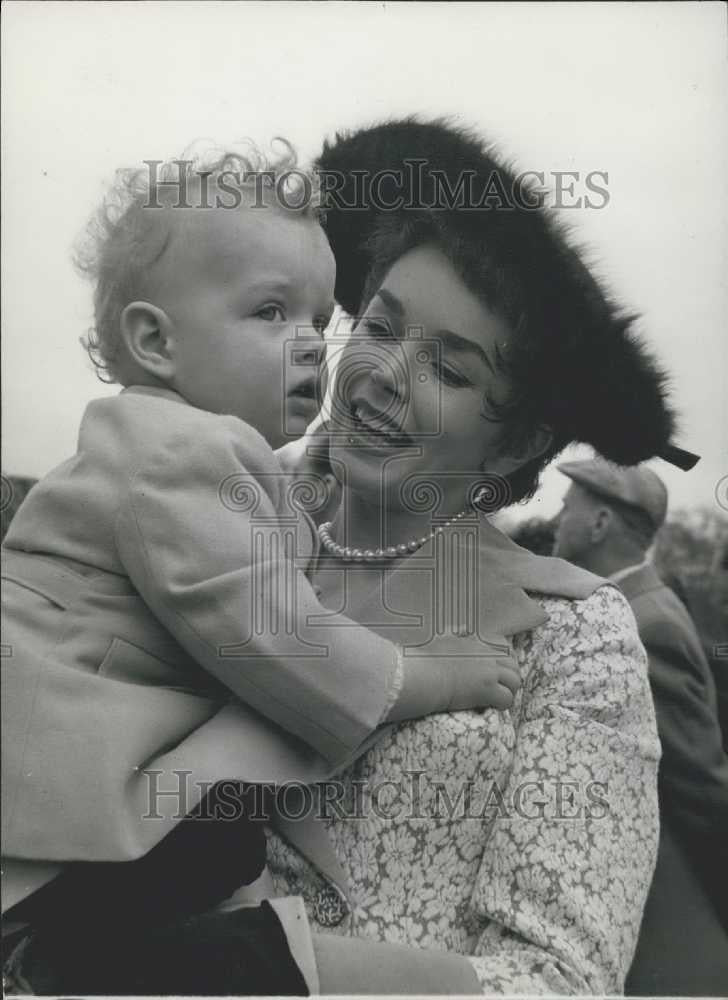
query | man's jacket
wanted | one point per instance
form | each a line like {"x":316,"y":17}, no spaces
{"x":683,"y":944}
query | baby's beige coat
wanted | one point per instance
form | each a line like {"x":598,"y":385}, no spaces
{"x":152,"y":624}
{"x":155,"y":635}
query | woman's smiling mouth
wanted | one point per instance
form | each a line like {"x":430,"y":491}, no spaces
{"x":372,"y":431}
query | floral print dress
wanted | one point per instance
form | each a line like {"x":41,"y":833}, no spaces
{"x":524,"y":840}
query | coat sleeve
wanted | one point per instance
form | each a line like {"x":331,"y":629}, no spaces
{"x":694,"y":769}
{"x":571,"y":852}
{"x":204,"y":537}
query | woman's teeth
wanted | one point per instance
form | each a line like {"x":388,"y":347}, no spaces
{"x":362,"y":426}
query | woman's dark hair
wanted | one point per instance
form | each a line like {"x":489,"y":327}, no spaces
{"x":575,"y":362}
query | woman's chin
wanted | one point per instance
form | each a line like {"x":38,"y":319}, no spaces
{"x":370,"y":468}
{"x":296,"y":424}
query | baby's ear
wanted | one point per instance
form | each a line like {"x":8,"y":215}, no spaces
{"x":146,"y":331}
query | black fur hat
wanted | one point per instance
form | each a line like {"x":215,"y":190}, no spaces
{"x":577,"y":363}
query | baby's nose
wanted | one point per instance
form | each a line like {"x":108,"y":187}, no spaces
{"x":309,"y":352}
{"x":312,"y":355}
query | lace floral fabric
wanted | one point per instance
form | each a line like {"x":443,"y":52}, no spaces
{"x":524,"y":840}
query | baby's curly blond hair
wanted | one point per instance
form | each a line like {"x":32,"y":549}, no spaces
{"x":131,"y":229}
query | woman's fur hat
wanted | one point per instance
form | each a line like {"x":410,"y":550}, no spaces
{"x":578,"y":365}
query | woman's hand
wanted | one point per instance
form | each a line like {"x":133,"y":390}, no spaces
{"x":356,"y":965}
{"x":458,"y":674}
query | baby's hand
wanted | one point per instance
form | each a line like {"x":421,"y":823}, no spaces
{"x":458,"y":674}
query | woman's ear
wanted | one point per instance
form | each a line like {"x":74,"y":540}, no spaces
{"x":531,"y":447}
{"x":147,"y":334}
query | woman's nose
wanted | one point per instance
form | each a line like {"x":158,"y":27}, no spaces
{"x":374,"y":372}
{"x":382,"y":379}
{"x":387,"y":370}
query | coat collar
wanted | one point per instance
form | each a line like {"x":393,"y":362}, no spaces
{"x":155,"y":390}
{"x":640,"y":581}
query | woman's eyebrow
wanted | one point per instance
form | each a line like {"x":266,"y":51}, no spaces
{"x":391,"y":302}
{"x":448,"y":337}
{"x":463,"y":345}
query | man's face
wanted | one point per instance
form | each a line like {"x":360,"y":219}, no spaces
{"x":239,"y":291}
{"x":573,"y":538}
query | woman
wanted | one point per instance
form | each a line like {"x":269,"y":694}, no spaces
{"x":497,"y":851}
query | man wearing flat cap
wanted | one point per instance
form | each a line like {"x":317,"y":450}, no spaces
{"x":608,"y":522}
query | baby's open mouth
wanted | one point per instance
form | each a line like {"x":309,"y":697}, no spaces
{"x":306,"y":391}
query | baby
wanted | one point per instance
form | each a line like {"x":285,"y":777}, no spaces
{"x":156,"y":604}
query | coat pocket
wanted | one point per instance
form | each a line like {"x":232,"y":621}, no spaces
{"x":49,"y":593}
{"x":133,"y":665}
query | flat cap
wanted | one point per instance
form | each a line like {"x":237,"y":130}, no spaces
{"x":637,"y":486}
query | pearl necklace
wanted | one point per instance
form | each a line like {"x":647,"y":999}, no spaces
{"x":391,"y":552}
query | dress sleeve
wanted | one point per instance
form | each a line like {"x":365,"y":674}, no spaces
{"x":571,"y":851}
{"x":208,"y":539}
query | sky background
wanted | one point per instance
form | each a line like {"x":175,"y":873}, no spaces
{"x":637,"y":90}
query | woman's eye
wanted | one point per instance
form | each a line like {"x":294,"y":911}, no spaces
{"x":271,"y":313}
{"x":450,"y":377}
{"x":376,"y":327}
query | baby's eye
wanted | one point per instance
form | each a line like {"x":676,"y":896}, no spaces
{"x":271,"y":313}
{"x":320,"y":323}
